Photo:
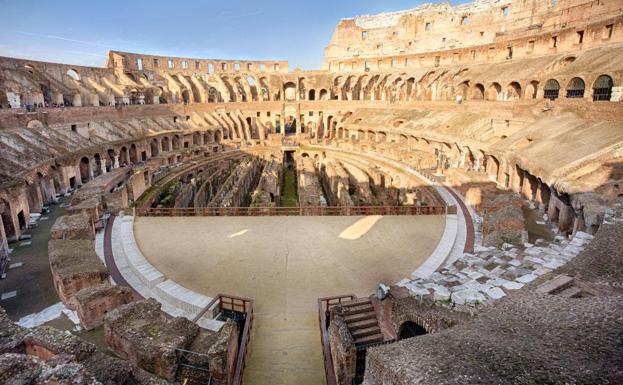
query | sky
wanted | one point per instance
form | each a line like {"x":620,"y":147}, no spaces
{"x":80,"y":32}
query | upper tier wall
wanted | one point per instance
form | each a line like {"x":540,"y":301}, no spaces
{"x":138,"y":62}
{"x":472,"y":33}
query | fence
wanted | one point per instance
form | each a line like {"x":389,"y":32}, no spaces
{"x":238,"y":309}
{"x":290,"y":211}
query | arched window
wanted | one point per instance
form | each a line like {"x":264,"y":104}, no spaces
{"x":575,"y":89}
{"x":551,"y":89}
{"x":602,"y":89}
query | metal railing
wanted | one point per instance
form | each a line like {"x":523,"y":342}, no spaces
{"x":324,"y":304}
{"x":239,"y":309}
{"x":289,"y":211}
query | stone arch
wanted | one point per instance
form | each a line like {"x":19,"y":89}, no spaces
{"x":85,"y":169}
{"x":176,"y":142}
{"x":97,"y":166}
{"x":186,"y":96}
{"x":166,"y":144}
{"x":154,"y":147}
{"x":323,"y":94}
{"x":513,"y":91}
{"x":133,"y":153}
{"x":34,"y":124}
{"x":575,"y":88}
{"x":602,"y":88}
{"x":123,"y":155}
{"x":551,"y":90}
{"x":494,"y":92}
{"x":289,"y":91}
{"x":462,"y":89}
{"x":195,"y":91}
{"x":110,"y":161}
{"x":7,"y":221}
{"x":478,"y":92}
{"x":531,"y":90}
{"x":312,"y":95}
{"x":72,"y":73}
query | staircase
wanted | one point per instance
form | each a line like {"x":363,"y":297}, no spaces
{"x":562,"y":285}
{"x":362,"y":322}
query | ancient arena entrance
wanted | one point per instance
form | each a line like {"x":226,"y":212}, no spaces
{"x":285,"y":264}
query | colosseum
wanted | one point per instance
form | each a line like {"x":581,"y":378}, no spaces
{"x":440,"y":203}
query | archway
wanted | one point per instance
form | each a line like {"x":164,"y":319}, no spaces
{"x":289,"y":91}
{"x":73,"y":74}
{"x":551,"y":89}
{"x":97,"y":170}
{"x":85,"y":170}
{"x":154,"y":147}
{"x":410,"y":329}
{"x":602,"y":88}
{"x":186,"y":97}
{"x":494,"y":91}
{"x":478,"y":92}
{"x":166,"y":144}
{"x":123,"y":156}
{"x":133,"y":157}
{"x":531,"y":90}
{"x":7,"y":221}
{"x":323,"y":94}
{"x":513,"y":91}
{"x":312,"y":95}
{"x":575,"y":88}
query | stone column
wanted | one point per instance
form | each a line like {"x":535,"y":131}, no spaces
{"x":116,"y":163}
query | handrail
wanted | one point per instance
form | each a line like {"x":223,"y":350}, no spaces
{"x":290,"y":211}
{"x":324,"y":304}
{"x":241,"y":305}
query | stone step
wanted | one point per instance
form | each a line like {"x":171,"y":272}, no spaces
{"x":366,"y":308}
{"x":365,"y":323}
{"x":373,"y":338}
{"x":571,"y":292}
{"x":557,"y":284}
{"x":365,"y":332}
{"x":359,"y":317}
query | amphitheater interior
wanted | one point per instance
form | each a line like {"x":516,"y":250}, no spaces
{"x":441,"y":203}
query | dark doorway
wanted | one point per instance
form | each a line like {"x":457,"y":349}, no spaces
{"x":410,"y":329}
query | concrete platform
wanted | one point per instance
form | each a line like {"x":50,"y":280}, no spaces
{"x":285,"y":264}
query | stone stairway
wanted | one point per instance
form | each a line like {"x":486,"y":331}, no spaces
{"x":362,"y":322}
{"x":562,"y":285}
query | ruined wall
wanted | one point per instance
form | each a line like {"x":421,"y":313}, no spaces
{"x":74,"y":266}
{"x":482,"y":31}
{"x":343,"y":351}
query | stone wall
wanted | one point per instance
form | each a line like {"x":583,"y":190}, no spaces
{"x":343,"y":351}
{"x":93,"y":303}
{"x":503,"y":221}
{"x":75,"y":266}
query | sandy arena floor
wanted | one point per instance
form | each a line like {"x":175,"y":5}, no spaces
{"x":285,"y":264}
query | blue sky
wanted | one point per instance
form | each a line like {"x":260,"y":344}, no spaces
{"x":80,"y":32}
